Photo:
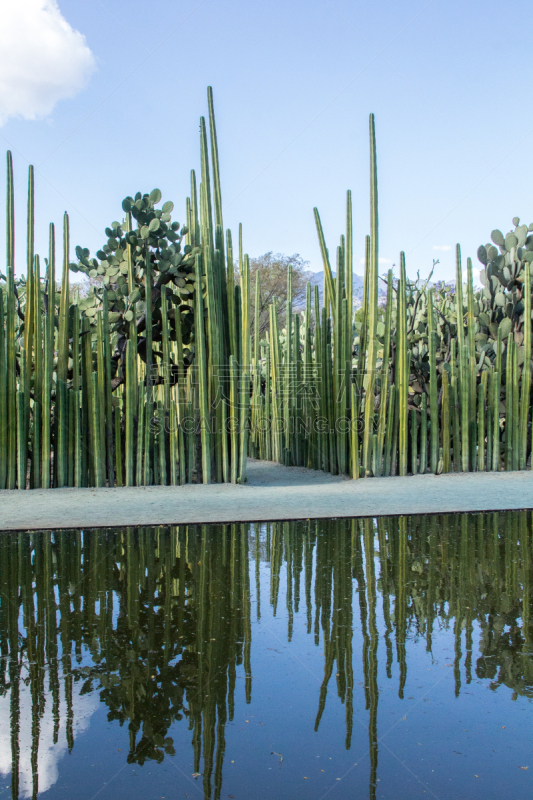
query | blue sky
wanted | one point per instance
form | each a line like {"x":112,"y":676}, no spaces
{"x":294,"y":82}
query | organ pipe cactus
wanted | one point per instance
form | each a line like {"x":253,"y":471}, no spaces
{"x":120,"y":386}
{"x":100,"y":373}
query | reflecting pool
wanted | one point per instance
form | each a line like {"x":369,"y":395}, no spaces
{"x":387,"y":658}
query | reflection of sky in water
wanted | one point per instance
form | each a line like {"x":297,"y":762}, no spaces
{"x":50,"y":754}
{"x":341,"y":658}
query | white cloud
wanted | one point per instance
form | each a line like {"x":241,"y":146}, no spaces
{"x":42,"y":59}
{"x":50,"y":754}
{"x":443,"y":247}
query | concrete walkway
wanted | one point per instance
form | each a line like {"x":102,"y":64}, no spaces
{"x":273,"y":492}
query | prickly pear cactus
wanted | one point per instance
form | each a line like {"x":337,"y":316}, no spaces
{"x":501,"y":306}
{"x":498,"y":309}
{"x":120,"y":267}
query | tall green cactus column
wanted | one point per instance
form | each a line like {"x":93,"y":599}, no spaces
{"x":464,"y":379}
{"x":526,"y":369}
{"x":11,"y":416}
{"x":433,"y":391}
{"x":48,"y":362}
{"x":3,"y":397}
{"x":244,"y":388}
{"x":384,"y":377}
{"x":61,"y":450}
{"x":402,"y":355}
{"x":369,"y":378}
{"x":202,"y":377}
{"x":472,"y":367}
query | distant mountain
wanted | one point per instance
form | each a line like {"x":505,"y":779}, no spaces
{"x":317,"y":279}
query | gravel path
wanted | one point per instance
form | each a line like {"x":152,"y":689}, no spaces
{"x":273,"y":492}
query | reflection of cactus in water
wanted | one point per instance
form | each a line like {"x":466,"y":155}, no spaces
{"x":166,"y":616}
{"x":161,"y":661}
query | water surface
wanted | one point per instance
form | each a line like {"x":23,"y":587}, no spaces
{"x":386,"y":658}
